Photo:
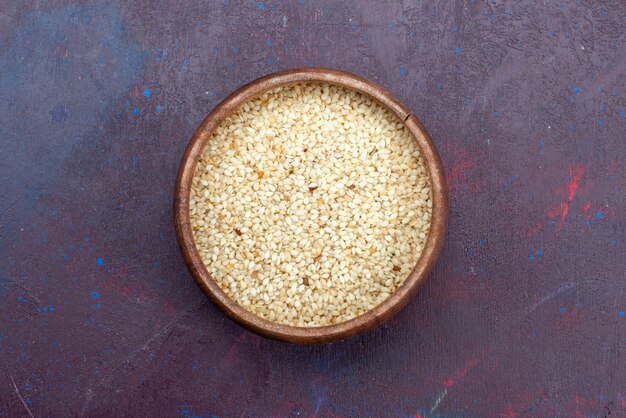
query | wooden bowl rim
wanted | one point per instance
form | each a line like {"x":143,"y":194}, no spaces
{"x":370,"y":319}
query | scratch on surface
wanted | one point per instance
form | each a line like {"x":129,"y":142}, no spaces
{"x":88,"y":397}
{"x":17,"y":392}
{"x":547,"y":297}
{"x":439,"y":399}
{"x":24,"y":288}
{"x":158,"y":338}
{"x":608,"y":74}
{"x":10,"y":206}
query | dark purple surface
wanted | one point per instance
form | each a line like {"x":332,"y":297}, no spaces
{"x":524,"y":314}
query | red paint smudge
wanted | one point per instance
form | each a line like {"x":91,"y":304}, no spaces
{"x":459,"y":166}
{"x":529,"y":231}
{"x":453,"y":380}
{"x":565,"y":207}
{"x":509,"y":413}
{"x":459,"y":178}
{"x":556,"y":211}
{"x":533,"y":230}
{"x":246,"y":337}
{"x":171,"y":309}
{"x":124,"y":283}
{"x":519,"y":407}
{"x":576,"y":173}
{"x":457,"y":291}
{"x":568,"y":321}
{"x":579,"y":402}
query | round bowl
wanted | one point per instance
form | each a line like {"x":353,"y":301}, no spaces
{"x":370,"y":319}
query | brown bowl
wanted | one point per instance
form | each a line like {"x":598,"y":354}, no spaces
{"x":370,"y":319}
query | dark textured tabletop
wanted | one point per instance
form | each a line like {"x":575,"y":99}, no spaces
{"x":522,"y":316}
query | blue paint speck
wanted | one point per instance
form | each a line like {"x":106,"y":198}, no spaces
{"x":261,"y":6}
{"x":354,"y":26}
{"x":185,"y":62}
{"x":157,"y":59}
{"x":95,"y":295}
{"x":467,"y":101}
{"x":21,"y":299}
{"x":600,"y":123}
{"x":194,"y":365}
{"x":599,"y":215}
{"x":622,"y":113}
{"x":269,"y":42}
{"x":402,"y":71}
{"x":588,"y":221}
{"x":134,"y":158}
{"x":157,"y":108}
{"x":562,"y":310}
{"x":481,"y":242}
{"x":621,"y":313}
{"x":301,"y":1}
{"x":98,"y":305}
{"x":457,"y":50}
{"x":576,"y":90}
{"x":51,"y":308}
{"x":531,"y":257}
{"x":539,"y":252}
{"x":542,"y":144}
{"x":146,"y":93}
{"x":99,"y":262}
{"x":135,"y":111}
{"x":100,"y":59}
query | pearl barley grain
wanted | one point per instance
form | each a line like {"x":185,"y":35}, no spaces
{"x":310,"y":204}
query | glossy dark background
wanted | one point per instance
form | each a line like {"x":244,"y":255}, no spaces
{"x":524,"y":314}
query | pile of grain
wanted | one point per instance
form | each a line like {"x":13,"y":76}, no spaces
{"x":310,"y":205}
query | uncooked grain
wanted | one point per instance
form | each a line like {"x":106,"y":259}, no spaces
{"x":310,"y":204}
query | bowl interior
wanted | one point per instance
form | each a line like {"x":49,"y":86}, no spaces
{"x":370,"y":319}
